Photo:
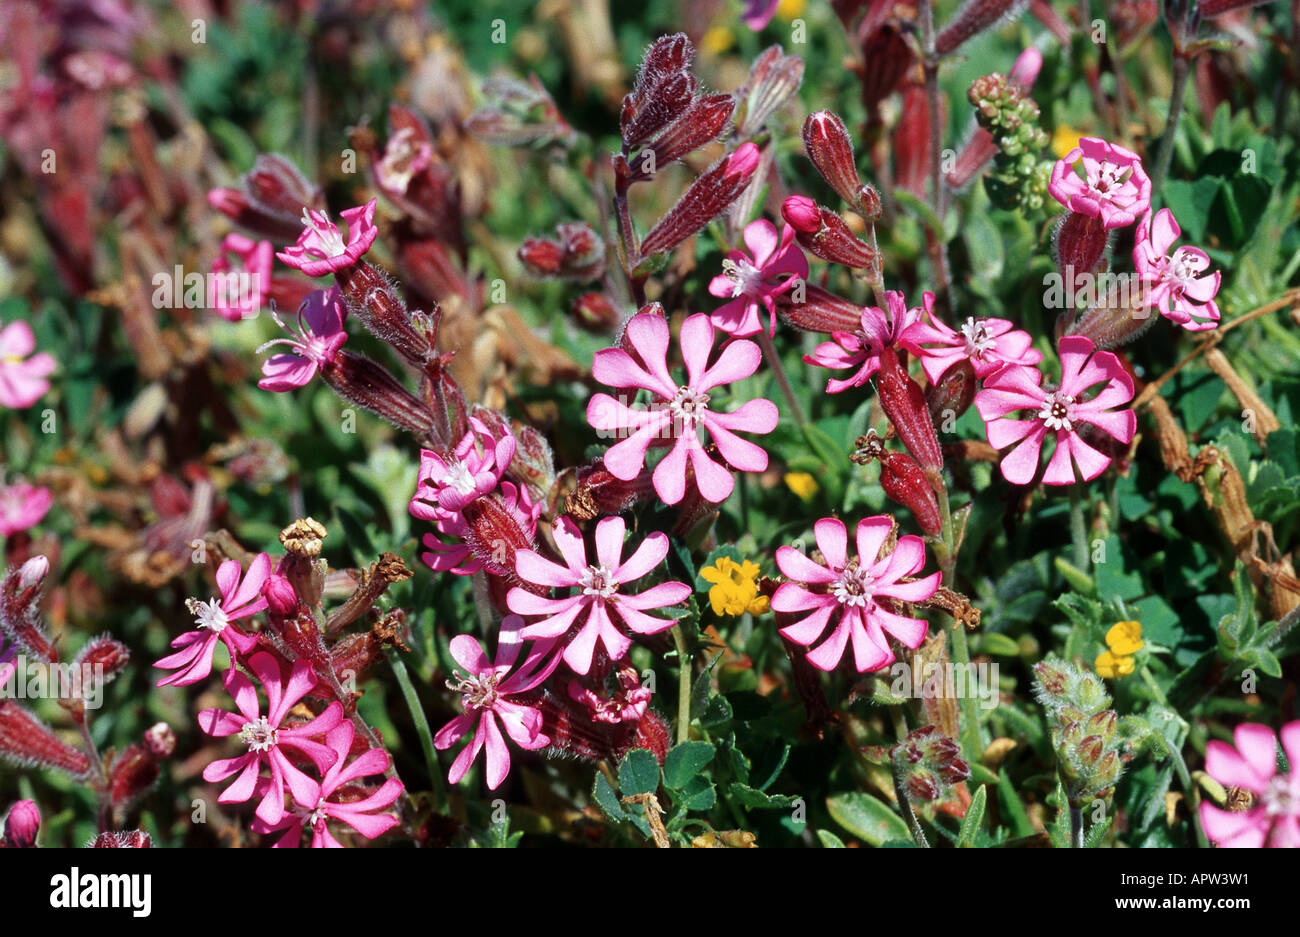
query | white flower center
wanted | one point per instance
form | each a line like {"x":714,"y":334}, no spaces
{"x":1108,"y":179}
{"x":327,"y":235}
{"x":209,"y":615}
{"x":477,"y":692}
{"x":1057,"y":410}
{"x":978,"y":339}
{"x":598,"y":581}
{"x":258,"y":735}
{"x":460,"y":478}
{"x":1181,"y":268}
{"x":852,"y":588}
{"x":688,"y":406}
{"x":1281,"y":798}
{"x":316,"y":816}
{"x":747,"y":277}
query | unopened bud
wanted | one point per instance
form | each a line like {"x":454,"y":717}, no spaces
{"x":904,"y":403}
{"x":281,"y":597}
{"x":22,"y":825}
{"x":903,"y":480}
{"x":160,"y":740}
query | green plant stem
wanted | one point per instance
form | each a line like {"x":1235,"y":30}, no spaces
{"x":1078,"y":529}
{"x":905,"y":805}
{"x":1181,"y":69}
{"x":782,"y":380}
{"x":1076,"y":827}
{"x":421,"y":726}
{"x":1190,"y":789}
{"x":971,"y":743}
{"x":683,"y":686}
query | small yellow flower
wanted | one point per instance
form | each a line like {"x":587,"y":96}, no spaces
{"x":1125,"y":638}
{"x":1064,"y":139}
{"x":789,"y":9}
{"x":1111,"y":666}
{"x":802,"y":484}
{"x":735,"y":589}
{"x":717,"y":39}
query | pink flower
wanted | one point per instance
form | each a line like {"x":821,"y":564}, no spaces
{"x":627,"y":704}
{"x":485,"y":692}
{"x":1113,"y":186}
{"x":341,"y":798}
{"x":1273,"y":820}
{"x":458,"y":558}
{"x":22,"y":506}
{"x":320,"y":335}
{"x":851,"y":591}
{"x":679,"y":411}
{"x":234,"y":302}
{"x":1058,"y":412}
{"x":239,"y":599}
{"x":751,"y":279}
{"x":758,"y":13}
{"x":861,"y":349}
{"x":986,"y":343}
{"x":321,"y":249}
{"x":600,"y":605}
{"x":1173,"y":282}
{"x":22,"y":379}
{"x":474,"y":468}
{"x":267,"y":737}
{"x":404,"y":157}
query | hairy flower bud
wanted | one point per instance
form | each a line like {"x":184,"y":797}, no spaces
{"x":706,"y":119}
{"x":33,"y":572}
{"x":828,"y":237}
{"x":374,"y":300}
{"x":773,"y":80}
{"x":827,"y":142}
{"x":973,"y":18}
{"x":133,"y":839}
{"x":706,"y":198}
{"x":904,"y":403}
{"x":271,"y":199}
{"x":903,"y":480}
{"x":595,"y":312}
{"x":951,"y":395}
{"x":818,"y":310}
{"x":368,"y":385}
{"x":27,"y":742}
{"x":160,"y":740}
{"x":281,"y":598}
{"x":22,"y":824}
{"x":104,"y":656}
{"x":132,"y":773}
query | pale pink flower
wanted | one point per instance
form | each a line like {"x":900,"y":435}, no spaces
{"x":679,"y":411}
{"x":1175,"y":283}
{"x":320,"y":335}
{"x":22,"y":379}
{"x":447,"y":483}
{"x":881,"y":328}
{"x":233,"y":302}
{"x":404,"y":157}
{"x":986,"y":343}
{"x":22,"y":506}
{"x":267,"y":736}
{"x":602,"y":610}
{"x":321,"y":249}
{"x":850,"y":592}
{"x":486,"y":689}
{"x":1274,"y":818}
{"x":240,"y":598}
{"x":757,"y":278}
{"x":1057,"y":412}
{"x":341,"y":798}
{"x":1113,"y":186}
{"x":758,"y":13}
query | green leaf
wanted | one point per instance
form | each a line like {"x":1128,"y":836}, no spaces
{"x":684,"y":762}
{"x":1098,"y":832}
{"x":970,"y":824}
{"x":866,"y":817}
{"x":604,"y":795}
{"x":829,"y":840}
{"x":638,"y":773}
{"x":698,"y":794}
{"x":752,"y":798}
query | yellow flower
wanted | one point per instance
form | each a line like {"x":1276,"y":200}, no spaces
{"x":1110,"y":665}
{"x":717,"y":39}
{"x":1125,"y":638}
{"x":1064,"y":139}
{"x":789,"y":9}
{"x":736,"y":589}
{"x":802,"y":484}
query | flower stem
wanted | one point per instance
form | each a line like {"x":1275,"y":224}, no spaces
{"x":971,"y":743}
{"x":905,"y":805}
{"x":683,"y":686}
{"x":1181,"y":69}
{"x":1078,"y":529}
{"x":782,"y":380}
{"x":1076,"y":827}
{"x":421,"y":723}
{"x":1180,"y":766}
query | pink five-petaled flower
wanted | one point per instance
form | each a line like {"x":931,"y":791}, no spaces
{"x":1274,"y":818}
{"x":861,"y":349}
{"x":341,"y":798}
{"x":1058,"y":412}
{"x":1173,"y":281}
{"x":680,"y":411}
{"x":986,"y":343}
{"x":267,"y":736}
{"x":851,"y":592}
{"x":485,"y":690}
{"x":752,"y":280}
{"x":238,"y":294}
{"x":22,"y":506}
{"x":22,"y":379}
{"x":239,"y":599}
{"x":320,"y":336}
{"x":600,"y":605}
{"x":1113,"y":187}
{"x":321,"y":249}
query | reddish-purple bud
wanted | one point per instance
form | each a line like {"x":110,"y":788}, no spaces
{"x":708,"y":197}
{"x":595,"y":312}
{"x":973,"y":18}
{"x":160,"y":740}
{"x":904,"y":403}
{"x":22,"y":825}
{"x":826,"y":141}
{"x":912,"y":142}
{"x":903,"y":480}
{"x":818,"y":310}
{"x":104,"y":656}
{"x":271,"y":199}
{"x":773,"y":80}
{"x":541,"y":257}
{"x":28,"y":742}
{"x":281,"y":597}
{"x":952,"y":395}
{"x":1080,"y":244}
{"x":802,"y":213}
{"x":886,"y":58}
{"x":495,"y":537}
{"x":832,"y":240}
{"x":368,"y":385}
{"x":375,"y":301}
{"x":133,"y":839}
{"x":702,"y":124}
{"x":33,"y":572}
{"x":132,"y":773}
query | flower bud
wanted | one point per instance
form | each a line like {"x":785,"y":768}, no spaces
{"x":973,"y":18}
{"x":904,"y":403}
{"x":773,"y":80}
{"x":818,"y":310}
{"x":104,"y":656}
{"x":707,"y":197}
{"x":132,"y":773}
{"x":32,"y":573}
{"x":281,"y":598}
{"x":271,"y":199}
{"x":495,"y":537}
{"x":160,"y":740}
{"x":903,"y":480}
{"x":541,"y":257}
{"x":1079,"y":243}
{"x":953,"y":393}
{"x":22,"y":824}
{"x":829,"y":237}
{"x":802,"y":214}
{"x":27,"y":742}
{"x":368,"y":385}
{"x":375,"y":301}
{"x":133,"y":839}
{"x":826,"y":141}
{"x":595,"y":312}
{"x":702,"y":123}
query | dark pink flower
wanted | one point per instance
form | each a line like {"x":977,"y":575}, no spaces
{"x":22,"y":379}
{"x":1175,"y":283}
{"x":755,"y":279}
{"x":239,"y":293}
{"x":849,"y":592}
{"x":321,"y":249}
{"x":1273,"y":820}
{"x":341,"y":798}
{"x":320,"y":335}
{"x":22,"y":506}
{"x":1113,"y":185}
{"x":627,"y":704}
{"x":679,"y":411}
{"x":239,"y":599}
{"x":1058,"y":412}
{"x":758,"y":13}
{"x":474,"y":468}
{"x":267,"y":736}
{"x":601,"y":609}
{"x":486,"y":688}
{"x":986,"y":343}
{"x":861,"y":349}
